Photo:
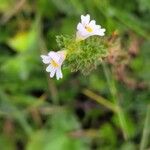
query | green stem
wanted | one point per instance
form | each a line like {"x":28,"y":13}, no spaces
{"x":113,"y":91}
{"x":100,"y":100}
{"x":146,"y":131}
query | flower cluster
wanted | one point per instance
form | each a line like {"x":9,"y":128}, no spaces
{"x":74,"y":49}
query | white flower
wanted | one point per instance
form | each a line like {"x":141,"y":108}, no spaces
{"x":87,"y":28}
{"x":55,"y":60}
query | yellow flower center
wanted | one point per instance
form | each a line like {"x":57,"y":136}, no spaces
{"x":89,"y":29}
{"x":54,"y":64}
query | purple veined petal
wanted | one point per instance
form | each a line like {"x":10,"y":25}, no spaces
{"x":61,"y":60}
{"x":45,"y":59}
{"x":81,"y":30}
{"x":55,"y":56}
{"x":59,"y":73}
{"x":51,"y":52}
{"x":52,"y":73}
{"x":62,"y":54}
{"x":80,"y":27}
{"x":85,"y":19}
{"x":84,"y":32}
{"x":50,"y":68}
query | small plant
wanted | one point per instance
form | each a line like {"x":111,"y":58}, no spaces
{"x":82,"y":52}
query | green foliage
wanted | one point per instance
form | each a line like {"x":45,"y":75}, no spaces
{"x":47,"y":140}
{"x":5,"y":5}
{"x":69,"y":7}
{"x":107,"y":135}
{"x":39,"y":113}
{"x":6,"y":143}
{"x":83,"y":56}
{"x":58,"y":138}
{"x":24,"y":41}
{"x":141,"y":65}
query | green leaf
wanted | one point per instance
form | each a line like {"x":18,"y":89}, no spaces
{"x":6,"y":143}
{"x":54,"y":140}
{"x":24,"y":41}
{"x":128,"y":146}
{"x":5,"y":5}
{"x":16,"y":67}
{"x":107,"y":134}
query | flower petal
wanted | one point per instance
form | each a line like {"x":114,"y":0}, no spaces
{"x":59,"y":73}
{"x":81,"y":30}
{"x":62,"y":56}
{"x":79,"y":37}
{"x":92,"y":23}
{"x":45,"y":59}
{"x":100,"y":32}
{"x":97,"y":27}
{"x":54,"y":55}
{"x":85,"y":19}
{"x":80,"y":27}
{"x":52,"y":73}
{"x":49,"y":68}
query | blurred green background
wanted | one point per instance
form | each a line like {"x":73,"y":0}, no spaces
{"x":106,"y":110}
